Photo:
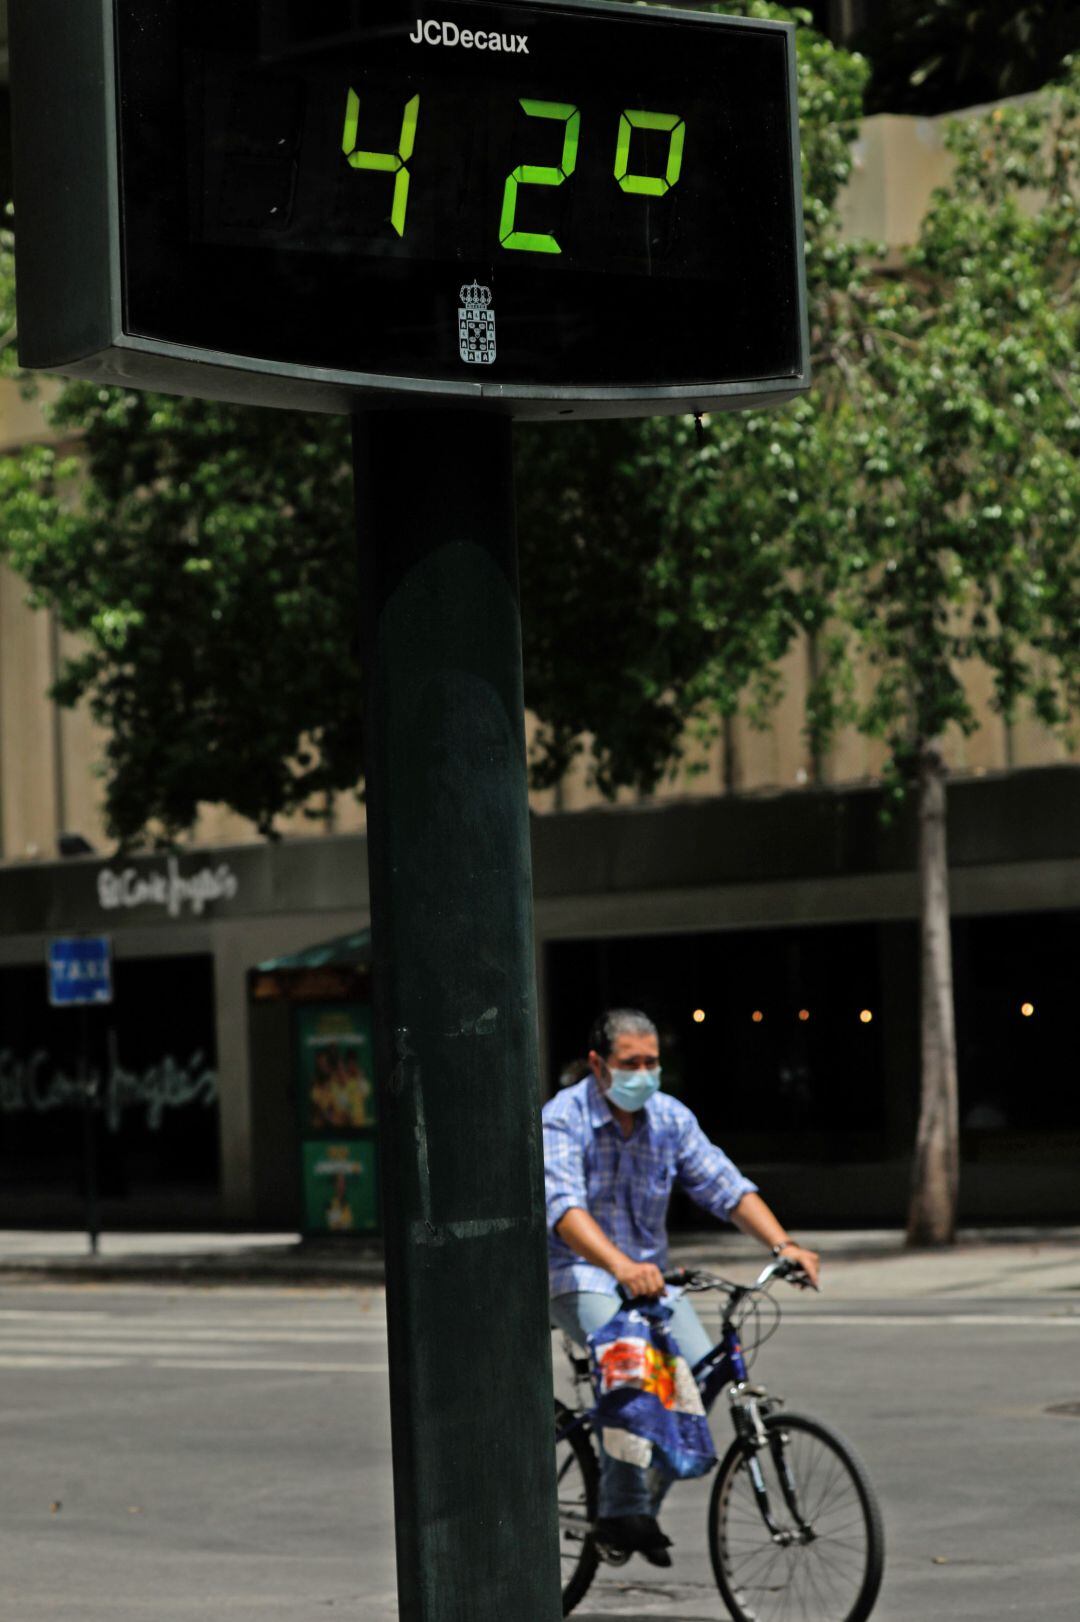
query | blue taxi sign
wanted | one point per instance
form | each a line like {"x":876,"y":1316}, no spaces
{"x":80,"y":971}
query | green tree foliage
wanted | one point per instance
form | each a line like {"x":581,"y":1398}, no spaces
{"x":930,"y":56}
{"x":967,"y":418}
{"x":935,"y":474}
{"x":648,"y":614}
{"x":924,"y":502}
{"x":919,"y":506}
{"x":203,"y":554}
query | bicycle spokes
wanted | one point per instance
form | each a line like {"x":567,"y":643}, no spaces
{"x":793,"y":1534}
{"x":576,"y":1487}
{"x":574,"y":1522}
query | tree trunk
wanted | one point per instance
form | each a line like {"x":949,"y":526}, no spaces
{"x":936,"y":1172}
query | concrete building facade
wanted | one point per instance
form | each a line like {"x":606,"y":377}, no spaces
{"x":774,"y":939}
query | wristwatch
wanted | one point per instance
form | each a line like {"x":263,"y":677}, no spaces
{"x":784,"y":1245}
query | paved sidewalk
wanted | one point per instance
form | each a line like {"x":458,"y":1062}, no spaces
{"x":189,"y":1258}
{"x":860,"y":1265}
{"x":877,"y":1265}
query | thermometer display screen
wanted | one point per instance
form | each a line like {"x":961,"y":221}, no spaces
{"x":532,"y":194}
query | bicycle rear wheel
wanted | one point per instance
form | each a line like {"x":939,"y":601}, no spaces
{"x":822,"y":1561}
{"x":577,"y":1475}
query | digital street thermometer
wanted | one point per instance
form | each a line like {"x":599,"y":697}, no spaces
{"x":550,"y":208}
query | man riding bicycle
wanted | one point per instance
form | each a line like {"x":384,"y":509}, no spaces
{"x":614,"y":1146}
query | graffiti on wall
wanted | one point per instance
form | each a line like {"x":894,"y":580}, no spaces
{"x":35,"y":1085}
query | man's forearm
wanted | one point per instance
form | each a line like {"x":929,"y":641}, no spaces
{"x":588,"y":1240}
{"x":753,"y":1217}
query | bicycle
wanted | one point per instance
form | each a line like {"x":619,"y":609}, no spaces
{"x":795,"y":1532}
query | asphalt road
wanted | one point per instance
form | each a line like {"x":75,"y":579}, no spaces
{"x":175,"y":1454}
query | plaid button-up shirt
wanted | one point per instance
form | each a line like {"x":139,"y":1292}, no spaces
{"x":625,"y":1183}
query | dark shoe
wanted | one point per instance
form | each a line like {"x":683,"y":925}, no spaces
{"x":635,"y":1534}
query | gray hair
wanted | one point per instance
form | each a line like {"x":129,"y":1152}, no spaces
{"x":619,"y":1022}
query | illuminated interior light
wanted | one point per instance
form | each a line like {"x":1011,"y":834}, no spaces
{"x":699,"y":1016}
{"x":757,"y":1016}
{"x":1027,"y":1009}
{"x":866,"y":1016}
{"x":804,"y":1014}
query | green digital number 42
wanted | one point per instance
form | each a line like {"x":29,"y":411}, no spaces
{"x":526,"y":174}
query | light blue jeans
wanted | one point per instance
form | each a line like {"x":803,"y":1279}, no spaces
{"x":626,"y":1489}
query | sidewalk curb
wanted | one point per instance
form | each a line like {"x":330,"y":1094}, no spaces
{"x":296,"y":1266}
{"x":360,"y":1264}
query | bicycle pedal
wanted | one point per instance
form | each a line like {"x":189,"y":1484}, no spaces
{"x":612,"y":1556}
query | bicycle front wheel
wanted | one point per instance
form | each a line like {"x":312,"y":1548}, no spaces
{"x":821,"y":1559}
{"x":577,"y":1475}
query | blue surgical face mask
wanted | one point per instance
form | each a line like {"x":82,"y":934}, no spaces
{"x":632,"y":1089}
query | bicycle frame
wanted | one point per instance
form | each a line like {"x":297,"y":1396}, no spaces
{"x":722,"y":1366}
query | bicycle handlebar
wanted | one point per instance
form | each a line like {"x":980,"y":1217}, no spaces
{"x":783,"y":1268}
{"x":695,"y":1279}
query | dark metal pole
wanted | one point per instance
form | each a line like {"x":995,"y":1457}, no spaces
{"x":456,"y":1054}
{"x":88,"y":1093}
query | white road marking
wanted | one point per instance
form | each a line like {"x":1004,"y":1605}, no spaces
{"x":119,"y":1346}
{"x":952,"y":1320}
{"x":73,"y":1359}
{"x":97,"y":1339}
{"x":269,"y":1365}
{"x":42,"y":1362}
{"x":16,"y":1313}
{"x":147,"y":1332}
{"x":311,"y":1324}
{"x":57,"y":1341}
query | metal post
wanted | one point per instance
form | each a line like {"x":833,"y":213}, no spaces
{"x":448,"y":842}
{"x":88,"y":1094}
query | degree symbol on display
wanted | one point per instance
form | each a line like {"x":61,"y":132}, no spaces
{"x":649,"y":185}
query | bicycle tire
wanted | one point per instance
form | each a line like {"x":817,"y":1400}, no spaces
{"x":576,"y":1457}
{"x":839,"y":1577}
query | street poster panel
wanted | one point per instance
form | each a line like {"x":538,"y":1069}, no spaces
{"x":337,"y":1090}
{"x":340,"y":1194}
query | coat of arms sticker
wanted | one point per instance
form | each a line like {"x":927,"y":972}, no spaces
{"x":476,"y":325}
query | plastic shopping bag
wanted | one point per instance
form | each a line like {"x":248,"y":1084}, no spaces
{"x":648,"y":1406}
